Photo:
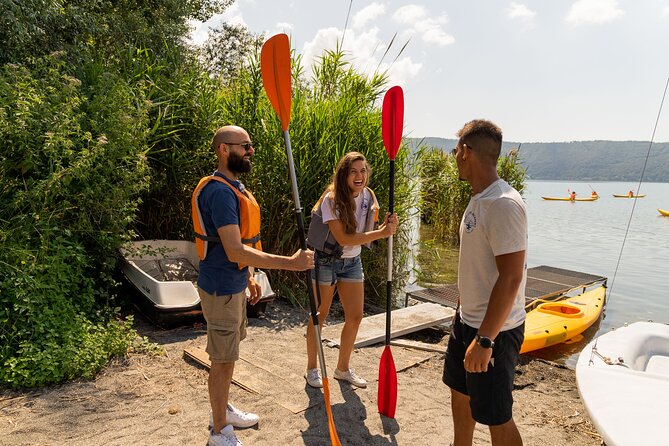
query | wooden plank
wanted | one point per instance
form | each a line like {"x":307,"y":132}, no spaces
{"x":418,"y":345}
{"x":403,"y":321}
{"x":201,"y":357}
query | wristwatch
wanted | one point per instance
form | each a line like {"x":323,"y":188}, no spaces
{"x":484,"y":341}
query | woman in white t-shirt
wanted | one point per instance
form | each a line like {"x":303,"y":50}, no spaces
{"x":345,"y":217}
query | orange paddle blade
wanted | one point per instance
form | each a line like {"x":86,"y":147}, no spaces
{"x":387,"y":398}
{"x":333,"y":430}
{"x":276,"y":77}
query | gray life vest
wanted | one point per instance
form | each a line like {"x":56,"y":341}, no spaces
{"x":319,"y":236}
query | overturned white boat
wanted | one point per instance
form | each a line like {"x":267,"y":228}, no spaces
{"x":623,"y":379}
{"x":164,"y":272}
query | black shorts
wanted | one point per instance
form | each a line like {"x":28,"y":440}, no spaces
{"x":489,"y":392}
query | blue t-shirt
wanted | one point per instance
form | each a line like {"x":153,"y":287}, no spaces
{"x":219,"y":207}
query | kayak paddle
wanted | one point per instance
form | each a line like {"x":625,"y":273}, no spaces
{"x":392,"y":122}
{"x":276,"y":77}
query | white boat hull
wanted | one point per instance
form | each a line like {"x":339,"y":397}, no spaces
{"x":165,"y":273}
{"x":624,"y":384}
{"x":166,"y":295}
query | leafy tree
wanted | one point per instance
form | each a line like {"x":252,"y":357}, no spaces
{"x":226,"y":51}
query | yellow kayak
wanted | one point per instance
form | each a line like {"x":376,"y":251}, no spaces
{"x":551,"y":323}
{"x":663,"y":212}
{"x":569,"y":199}
{"x":627,"y":196}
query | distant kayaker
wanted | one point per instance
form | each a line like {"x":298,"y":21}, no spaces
{"x":488,"y":328}
{"x":572,"y":196}
{"x":630,"y":194}
{"x":226,"y":219}
{"x":594,"y":194}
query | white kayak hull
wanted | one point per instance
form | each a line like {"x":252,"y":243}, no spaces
{"x":628,"y":398}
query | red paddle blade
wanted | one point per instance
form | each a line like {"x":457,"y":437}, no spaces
{"x":276,"y":77}
{"x":334,"y":439}
{"x":392,"y":120}
{"x":387,"y":397}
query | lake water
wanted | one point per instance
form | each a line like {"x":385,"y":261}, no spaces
{"x":588,"y":237}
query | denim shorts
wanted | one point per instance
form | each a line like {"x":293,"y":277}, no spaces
{"x":332,"y":270}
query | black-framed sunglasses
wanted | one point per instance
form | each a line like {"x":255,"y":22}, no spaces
{"x":246,"y":145}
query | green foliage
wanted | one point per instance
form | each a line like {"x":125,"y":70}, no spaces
{"x":444,"y":197}
{"x":35,"y":28}
{"x":106,"y":116}
{"x":335,"y":112}
{"x":226,"y":51}
{"x":72,"y":167}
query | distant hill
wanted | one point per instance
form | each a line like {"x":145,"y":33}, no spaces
{"x":583,"y":160}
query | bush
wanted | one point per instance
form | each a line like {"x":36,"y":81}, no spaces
{"x":72,"y":169}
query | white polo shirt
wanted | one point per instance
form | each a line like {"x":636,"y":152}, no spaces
{"x":494,"y":224}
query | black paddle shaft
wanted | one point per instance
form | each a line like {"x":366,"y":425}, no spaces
{"x":389,"y":283}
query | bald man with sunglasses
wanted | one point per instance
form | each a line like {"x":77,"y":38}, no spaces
{"x":226,"y":218}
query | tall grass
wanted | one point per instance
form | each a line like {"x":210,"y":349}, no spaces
{"x":335,"y":111}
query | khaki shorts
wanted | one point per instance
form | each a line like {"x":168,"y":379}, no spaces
{"x":226,"y":324}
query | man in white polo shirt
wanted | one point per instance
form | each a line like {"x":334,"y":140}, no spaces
{"x":488,"y":328}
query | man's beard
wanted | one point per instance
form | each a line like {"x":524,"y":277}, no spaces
{"x":237,"y":163}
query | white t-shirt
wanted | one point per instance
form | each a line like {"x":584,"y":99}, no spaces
{"x":362,"y":203}
{"x":494,"y":224}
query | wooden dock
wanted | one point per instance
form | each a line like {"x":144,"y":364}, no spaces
{"x":543,"y":282}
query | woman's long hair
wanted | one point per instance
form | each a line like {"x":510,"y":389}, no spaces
{"x":343,"y":199}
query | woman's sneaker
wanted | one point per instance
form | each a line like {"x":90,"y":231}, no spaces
{"x":313,"y":377}
{"x":226,"y":437}
{"x":236,"y":418}
{"x":351,"y":377}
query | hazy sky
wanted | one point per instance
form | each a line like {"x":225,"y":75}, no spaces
{"x":544,"y":70}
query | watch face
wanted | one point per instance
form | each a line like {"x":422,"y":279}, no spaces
{"x":484,"y":342}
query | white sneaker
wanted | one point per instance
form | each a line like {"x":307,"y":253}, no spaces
{"x":236,"y":418}
{"x":313,"y":377}
{"x":226,"y":437}
{"x":351,"y":377}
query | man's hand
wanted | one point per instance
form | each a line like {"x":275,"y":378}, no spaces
{"x":477,"y":358}
{"x":302,"y":260}
{"x":255,"y":291}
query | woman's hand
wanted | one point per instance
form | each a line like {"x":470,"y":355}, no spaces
{"x":389,"y":226}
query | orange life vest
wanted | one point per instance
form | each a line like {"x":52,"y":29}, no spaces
{"x":249,"y":227}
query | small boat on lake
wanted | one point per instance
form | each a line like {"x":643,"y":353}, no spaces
{"x":164,"y":273}
{"x":623,"y":379}
{"x":554,"y":322}
{"x":570,"y":199}
{"x":663,"y":212}
{"x":628,"y":196}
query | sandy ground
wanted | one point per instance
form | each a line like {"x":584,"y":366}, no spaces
{"x":162,"y":400}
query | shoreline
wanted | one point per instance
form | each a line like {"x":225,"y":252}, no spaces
{"x":162,"y":400}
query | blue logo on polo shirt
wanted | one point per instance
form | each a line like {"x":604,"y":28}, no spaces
{"x":470,"y":221}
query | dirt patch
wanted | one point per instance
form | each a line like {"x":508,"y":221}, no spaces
{"x":162,"y":400}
